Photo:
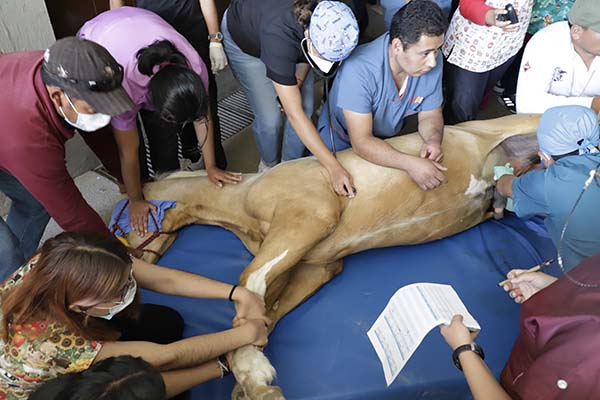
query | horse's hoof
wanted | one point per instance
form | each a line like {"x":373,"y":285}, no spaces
{"x":268,"y":393}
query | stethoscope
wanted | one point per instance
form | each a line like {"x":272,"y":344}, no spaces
{"x":593,"y":176}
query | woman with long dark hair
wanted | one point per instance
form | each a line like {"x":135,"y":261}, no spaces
{"x":164,"y":75}
{"x":198,"y":22}
{"x":269,"y":45}
{"x":74,"y":304}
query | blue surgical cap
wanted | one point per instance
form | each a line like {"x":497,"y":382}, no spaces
{"x":565,"y":129}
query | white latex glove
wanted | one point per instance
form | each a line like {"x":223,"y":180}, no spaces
{"x":218,"y":60}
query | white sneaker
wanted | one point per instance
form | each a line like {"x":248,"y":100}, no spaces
{"x":263,"y":167}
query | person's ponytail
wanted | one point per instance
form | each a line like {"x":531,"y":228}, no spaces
{"x":159,"y":52}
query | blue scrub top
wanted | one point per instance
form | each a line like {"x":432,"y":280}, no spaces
{"x":390,"y":7}
{"x":553,"y":192}
{"x":364,"y":84}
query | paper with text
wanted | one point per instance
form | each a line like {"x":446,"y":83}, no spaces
{"x":409,"y":315}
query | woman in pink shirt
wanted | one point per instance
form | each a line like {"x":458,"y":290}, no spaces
{"x":164,"y":74}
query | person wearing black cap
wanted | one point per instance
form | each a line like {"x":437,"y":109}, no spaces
{"x":168,"y":84}
{"x":46,"y":97}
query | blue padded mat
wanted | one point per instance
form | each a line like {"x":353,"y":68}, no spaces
{"x":321,"y":350}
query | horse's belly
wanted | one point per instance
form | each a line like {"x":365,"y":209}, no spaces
{"x":353,"y":235}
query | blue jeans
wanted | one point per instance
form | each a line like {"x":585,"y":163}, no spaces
{"x":251,"y":73}
{"x":24,"y":227}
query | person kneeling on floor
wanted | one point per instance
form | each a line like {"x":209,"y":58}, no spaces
{"x":568,"y":138}
{"x":74,"y":304}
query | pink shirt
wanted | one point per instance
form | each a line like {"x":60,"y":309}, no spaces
{"x":123,"y":32}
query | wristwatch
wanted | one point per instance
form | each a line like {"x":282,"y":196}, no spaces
{"x":474,"y":347}
{"x":218,"y":36}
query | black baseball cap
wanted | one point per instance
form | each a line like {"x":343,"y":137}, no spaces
{"x":85,"y":70}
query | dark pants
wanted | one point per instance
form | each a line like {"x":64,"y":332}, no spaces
{"x":156,"y":324}
{"x":465,"y":90}
{"x":511,"y":76}
{"x":186,"y":17}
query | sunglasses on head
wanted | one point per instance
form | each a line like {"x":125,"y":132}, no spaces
{"x":105,"y":85}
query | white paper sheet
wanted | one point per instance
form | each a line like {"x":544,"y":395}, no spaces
{"x":409,"y":315}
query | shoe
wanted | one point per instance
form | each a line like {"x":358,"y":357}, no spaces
{"x":508,"y":102}
{"x":498,"y":88}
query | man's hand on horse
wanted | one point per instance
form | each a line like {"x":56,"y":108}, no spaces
{"x":432,"y":150}
{"x":426,"y":173}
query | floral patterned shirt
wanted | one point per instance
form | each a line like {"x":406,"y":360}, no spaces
{"x":39,"y":351}
{"x":546,"y":12}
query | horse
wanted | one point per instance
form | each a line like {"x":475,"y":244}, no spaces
{"x":299,"y":230}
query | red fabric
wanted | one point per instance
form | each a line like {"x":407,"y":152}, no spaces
{"x":33,"y":140}
{"x":559,"y":341}
{"x":474,"y":10}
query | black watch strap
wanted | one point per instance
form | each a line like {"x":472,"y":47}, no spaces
{"x":474,"y":347}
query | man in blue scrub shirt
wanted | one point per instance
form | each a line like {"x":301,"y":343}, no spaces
{"x":568,"y":137}
{"x":385,"y":81}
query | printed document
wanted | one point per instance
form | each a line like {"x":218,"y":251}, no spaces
{"x":409,"y":315}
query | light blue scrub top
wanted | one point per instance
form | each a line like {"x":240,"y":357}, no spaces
{"x":364,"y":84}
{"x":553,"y":192}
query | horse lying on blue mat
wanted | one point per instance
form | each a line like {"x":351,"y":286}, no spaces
{"x":299,"y":230}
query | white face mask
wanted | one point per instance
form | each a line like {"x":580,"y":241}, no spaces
{"x":321,"y":63}
{"x":86,"y":122}
{"x":127,"y":300}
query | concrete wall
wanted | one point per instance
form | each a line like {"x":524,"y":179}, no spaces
{"x":24,"y":25}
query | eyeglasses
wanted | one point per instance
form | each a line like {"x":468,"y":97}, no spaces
{"x":106,"y":85}
{"x":130,"y":285}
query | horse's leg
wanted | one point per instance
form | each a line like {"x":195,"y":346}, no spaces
{"x":303,"y":282}
{"x":300,"y":283}
{"x":293,"y":232}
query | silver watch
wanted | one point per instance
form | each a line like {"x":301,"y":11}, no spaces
{"x":218,"y":36}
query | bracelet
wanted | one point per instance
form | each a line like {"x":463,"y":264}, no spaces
{"x":223,"y":366}
{"x":231,"y":293}
{"x":474,"y":347}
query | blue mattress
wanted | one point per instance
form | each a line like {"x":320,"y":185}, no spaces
{"x":321,"y":349}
